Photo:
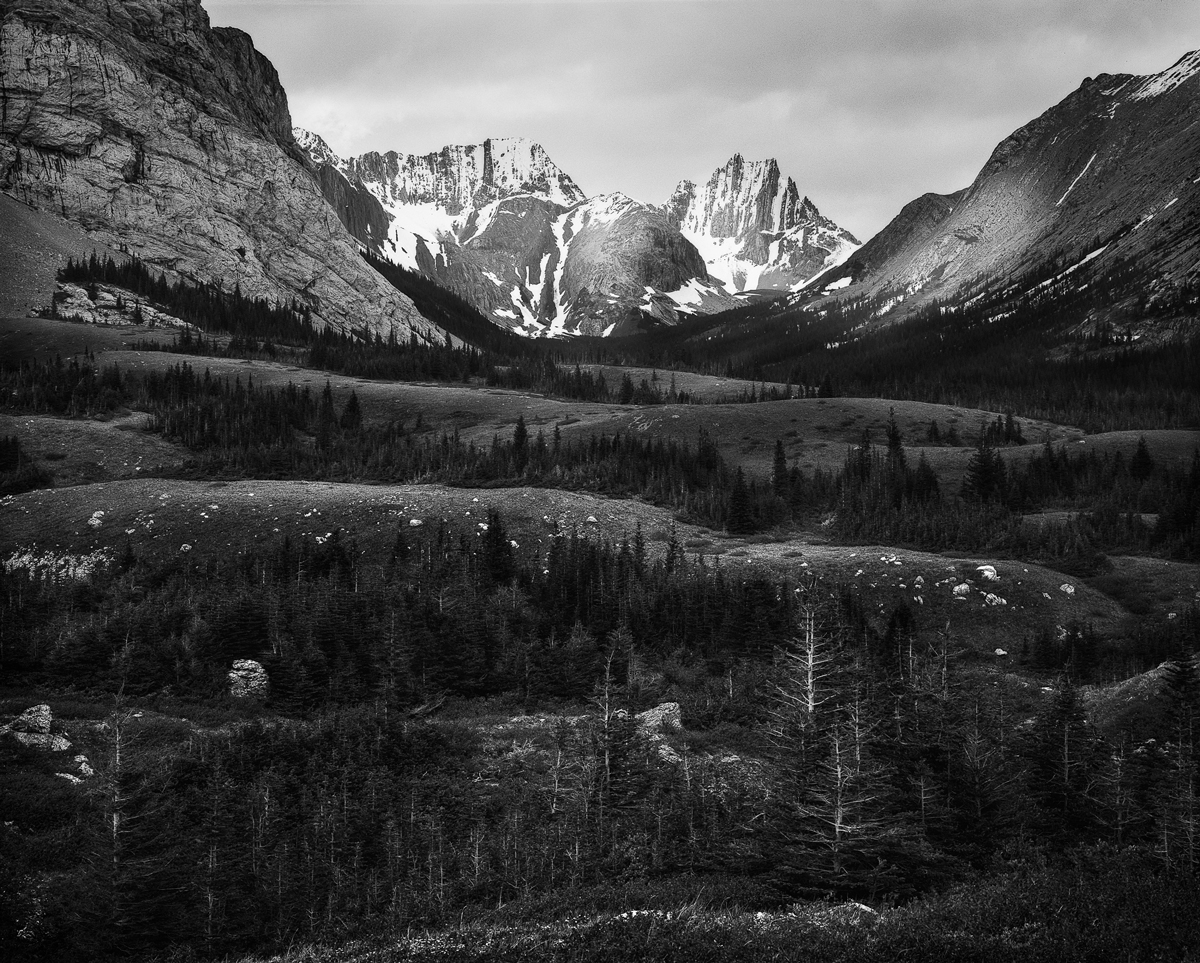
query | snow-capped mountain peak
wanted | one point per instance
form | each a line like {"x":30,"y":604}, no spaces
{"x":314,"y":145}
{"x":1182,"y":70}
{"x":756,"y":230}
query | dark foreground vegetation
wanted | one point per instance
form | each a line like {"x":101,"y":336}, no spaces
{"x":394,"y":776}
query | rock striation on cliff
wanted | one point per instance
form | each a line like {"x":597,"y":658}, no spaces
{"x":156,"y":132}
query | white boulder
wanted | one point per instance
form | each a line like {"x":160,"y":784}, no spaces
{"x":664,"y":716}
{"x":32,"y":728}
{"x":248,"y":680}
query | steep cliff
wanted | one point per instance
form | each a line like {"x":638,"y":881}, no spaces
{"x":150,"y":129}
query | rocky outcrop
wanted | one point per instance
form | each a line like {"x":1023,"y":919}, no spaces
{"x":1108,"y":176}
{"x":105,"y":304}
{"x":754,"y":229}
{"x":150,"y":129}
{"x":662,"y":717}
{"x":32,"y":728}
{"x":248,"y":680}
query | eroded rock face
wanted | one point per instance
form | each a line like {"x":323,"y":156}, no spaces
{"x":248,"y":680}
{"x":151,"y":129}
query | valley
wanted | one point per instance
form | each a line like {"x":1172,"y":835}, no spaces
{"x":412,"y":556}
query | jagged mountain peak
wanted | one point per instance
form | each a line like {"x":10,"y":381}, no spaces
{"x":315,"y":147}
{"x":755,"y":229}
{"x":459,"y":178}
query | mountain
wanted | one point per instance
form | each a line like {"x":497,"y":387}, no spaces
{"x":1106,"y":181}
{"x":755,"y":230}
{"x":500,"y":224}
{"x":157,"y":133}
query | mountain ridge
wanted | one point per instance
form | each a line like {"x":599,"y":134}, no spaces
{"x":496,"y":223}
{"x":1108,"y":176}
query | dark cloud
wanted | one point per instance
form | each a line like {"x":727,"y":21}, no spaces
{"x":866,"y":103}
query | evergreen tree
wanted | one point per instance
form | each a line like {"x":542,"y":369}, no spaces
{"x":779,"y":471}
{"x":351,"y":420}
{"x":895,"y":447}
{"x":985,"y":477}
{"x":740,"y":517}
{"x":1141,"y":466}
{"x":521,"y":443}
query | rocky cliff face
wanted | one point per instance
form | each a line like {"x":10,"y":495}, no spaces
{"x":151,"y":129}
{"x":754,"y":229}
{"x":914,"y":225}
{"x":626,"y":267}
{"x":504,"y":227}
{"x":1109,"y":174}
{"x":461,"y":178}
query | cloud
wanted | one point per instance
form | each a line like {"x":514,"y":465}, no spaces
{"x":866,"y":103}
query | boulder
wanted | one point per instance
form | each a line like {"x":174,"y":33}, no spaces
{"x":665,"y":716}
{"x":248,"y":680}
{"x":34,"y":719}
{"x":32,"y":728}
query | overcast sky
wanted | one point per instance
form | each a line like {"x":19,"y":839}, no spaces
{"x":865,"y":103}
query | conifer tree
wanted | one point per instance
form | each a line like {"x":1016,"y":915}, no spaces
{"x":741,"y":518}
{"x":985,"y":477}
{"x":779,"y":471}
{"x":1141,"y":466}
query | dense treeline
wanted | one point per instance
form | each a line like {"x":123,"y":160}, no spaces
{"x":994,"y":352}
{"x":1111,"y":504}
{"x":876,"y":766}
{"x":208,"y":306}
{"x":239,"y":429}
{"x":256,"y":329}
{"x":243,"y":430}
{"x":990,"y":351}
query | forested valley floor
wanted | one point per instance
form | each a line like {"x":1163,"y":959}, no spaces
{"x":404,"y":651}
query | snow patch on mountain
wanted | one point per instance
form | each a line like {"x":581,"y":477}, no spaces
{"x":562,"y":239}
{"x":1184,"y":69}
{"x":1058,"y":203}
